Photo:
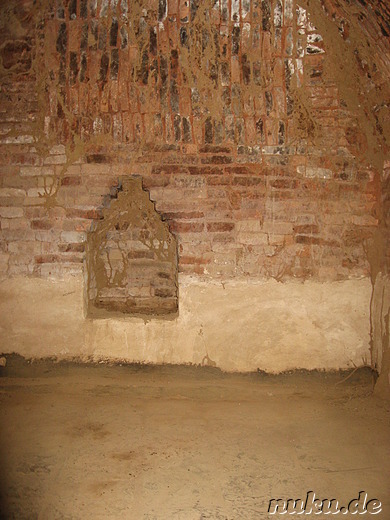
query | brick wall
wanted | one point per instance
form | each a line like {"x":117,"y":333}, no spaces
{"x":246,"y":146}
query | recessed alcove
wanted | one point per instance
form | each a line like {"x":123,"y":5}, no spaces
{"x":131,"y":257}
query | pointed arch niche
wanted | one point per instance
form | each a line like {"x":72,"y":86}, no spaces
{"x":131,"y":258}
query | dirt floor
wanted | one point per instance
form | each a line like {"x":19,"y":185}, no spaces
{"x":170,"y":443}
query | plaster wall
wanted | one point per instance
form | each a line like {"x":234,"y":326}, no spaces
{"x":239,"y":325}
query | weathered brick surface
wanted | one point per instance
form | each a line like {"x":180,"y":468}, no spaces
{"x":245,"y":145}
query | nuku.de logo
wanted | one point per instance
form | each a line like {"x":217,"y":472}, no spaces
{"x":312,"y":505}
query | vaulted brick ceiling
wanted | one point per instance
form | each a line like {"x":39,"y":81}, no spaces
{"x":358,"y":39}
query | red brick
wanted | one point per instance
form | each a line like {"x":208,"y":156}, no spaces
{"x":205,"y":170}
{"x":217,"y":159}
{"x":306,"y":229}
{"x":92,"y":214}
{"x":71,"y":248}
{"x":71,"y":181}
{"x":218,"y":180}
{"x":42,"y":224}
{"x":284,"y":183}
{"x":186,"y":227}
{"x":183,"y":215}
{"x":169,"y":169}
{"x":191,"y":260}
{"x":220,"y":226}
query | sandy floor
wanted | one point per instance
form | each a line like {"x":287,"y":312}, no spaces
{"x":100,"y":442}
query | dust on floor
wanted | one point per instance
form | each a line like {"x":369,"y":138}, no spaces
{"x":184,"y":443}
